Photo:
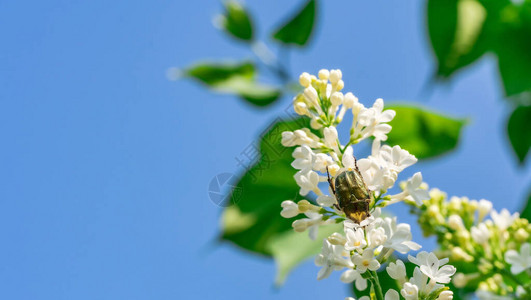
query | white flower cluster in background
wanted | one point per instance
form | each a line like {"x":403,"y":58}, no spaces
{"x":496,"y":251}
{"x":360,"y":250}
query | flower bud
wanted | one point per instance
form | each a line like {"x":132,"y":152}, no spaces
{"x":459,"y":254}
{"x":336,"y":99}
{"x":498,"y":279}
{"x":397,"y":270}
{"x":521,"y":235}
{"x":335,"y":76}
{"x":448,"y":236}
{"x":289,"y":209}
{"x":473,"y":205}
{"x":301,"y":108}
{"x":480,"y":234}
{"x":300,"y":225}
{"x":455,"y":222}
{"x":483,"y":286}
{"x":314,"y":123}
{"x":460,"y":280}
{"x":333,"y":169}
{"x":437,"y":195}
{"x":324,"y":74}
{"x":446,"y":295}
{"x":337,"y":239}
{"x":305,"y":79}
{"x":349,"y":100}
{"x":357,"y":108}
{"x":455,"y":203}
{"x":288,"y":139}
{"x":484,"y":207}
{"x":311,"y":95}
{"x":433,"y":211}
{"x":339,"y":85}
{"x":303,"y":206}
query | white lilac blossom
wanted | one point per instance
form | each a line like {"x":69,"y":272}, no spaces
{"x":410,"y":291}
{"x":331,"y":258}
{"x":366,"y":261}
{"x":397,"y":270}
{"x":364,"y":245}
{"x":399,"y":236}
{"x":519,"y":261}
{"x":351,"y":275}
{"x":497,"y":250}
{"x":355,"y":239}
{"x":504,"y":219}
{"x":437,"y":271}
{"x":414,"y":189}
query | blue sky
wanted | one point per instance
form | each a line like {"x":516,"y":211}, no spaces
{"x":105,"y":164}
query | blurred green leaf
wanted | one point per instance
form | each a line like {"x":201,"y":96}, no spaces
{"x":519,"y":131}
{"x":423,"y":133}
{"x":254,"y":222}
{"x":291,"y":248}
{"x":457,"y":33}
{"x":234,"y":78}
{"x":526,"y":211}
{"x":298,"y":29}
{"x":236,"y":21}
{"x":462,"y":31}
{"x":214,"y":74}
{"x":514,"y":48}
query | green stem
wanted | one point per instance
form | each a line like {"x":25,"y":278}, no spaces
{"x":376,"y":285}
{"x":270,"y":60}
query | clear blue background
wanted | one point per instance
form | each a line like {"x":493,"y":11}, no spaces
{"x":105,"y":164}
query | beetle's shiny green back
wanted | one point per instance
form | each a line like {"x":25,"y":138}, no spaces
{"x":353,"y":195}
{"x":350,"y":186}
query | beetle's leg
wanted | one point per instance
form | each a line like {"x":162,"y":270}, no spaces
{"x":330,"y":181}
{"x":336,"y":206}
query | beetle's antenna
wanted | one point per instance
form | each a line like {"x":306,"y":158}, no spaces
{"x":330,"y":181}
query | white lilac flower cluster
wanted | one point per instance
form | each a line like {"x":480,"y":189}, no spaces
{"x":360,"y":249}
{"x":495,"y":252}
{"x":428,"y":275}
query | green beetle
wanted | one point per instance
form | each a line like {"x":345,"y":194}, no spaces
{"x":352,"y":194}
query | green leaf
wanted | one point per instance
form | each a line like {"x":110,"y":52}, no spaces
{"x":526,"y":211}
{"x":234,"y":78}
{"x":299,"y":28}
{"x":423,"y":133}
{"x":519,"y":132}
{"x":459,"y":33}
{"x":514,"y":48}
{"x":462,"y":31}
{"x":215,"y":74}
{"x":253,"y":222}
{"x":237,"y":22}
{"x":291,"y":248}
{"x":255,"y":93}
